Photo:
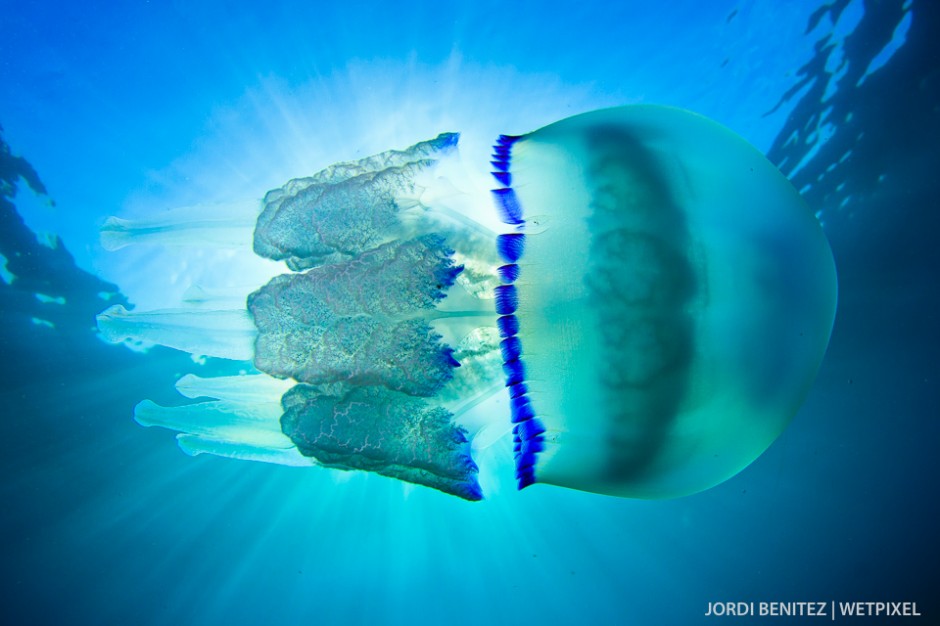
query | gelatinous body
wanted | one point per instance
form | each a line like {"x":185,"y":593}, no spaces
{"x":389,"y":432}
{"x":662,"y":303}
{"x":694,"y":307}
{"x":327,"y":325}
{"x":345,"y":210}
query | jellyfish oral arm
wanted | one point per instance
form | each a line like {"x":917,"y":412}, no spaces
{"x":225,"y":334}
{"x":357,"y":328}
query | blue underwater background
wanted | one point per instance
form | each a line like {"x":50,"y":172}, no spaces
{"x":116,"y":107}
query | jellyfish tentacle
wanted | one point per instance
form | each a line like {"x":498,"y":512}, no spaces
{"x":383,"y":244}
{"x":382,"y":431}
{"x":202,"y":297}
{"x":338,"y":214}
{"x":240,"y":421}
{"x":244,"y":389}
{"x":255,"y":425}
{"x":195,"y":445}
{"x":227,"y":334}
{"x":327,"y":325}
{"x":346,"y":209}
{"x":479,"y":372}
{"x":224,"y":226}
{"x":339,"y":172}
{"x":368,"y":317}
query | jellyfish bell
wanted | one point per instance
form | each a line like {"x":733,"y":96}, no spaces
{"x":673,"y":308}
{"x":653,"y":305}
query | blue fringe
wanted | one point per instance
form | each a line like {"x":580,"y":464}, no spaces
{"x":530,"y":428}
{"x":515,"y":372}
{"x":446,"y":140}
{"x":525,"y":478}
{"x":511,"y":348}
{"x":508,"y":325}
{"x":503,"y":178}
{"x":532,"y":446}
{"x":508,"y":273}
{"x":518,"y":401}
{"x":519,"y":389}
{"x":507,"y":203}
{"x":522,"y":412}
{"x":527,"y":428}
{"x":507,"y":299}
{"x":510,"y":246}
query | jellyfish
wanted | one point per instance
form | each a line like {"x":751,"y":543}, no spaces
{"x":647,"y":294}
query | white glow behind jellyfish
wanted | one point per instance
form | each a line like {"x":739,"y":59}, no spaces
{"x":279,"y":130}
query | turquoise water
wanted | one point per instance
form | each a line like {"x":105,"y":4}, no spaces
{"x":127,"y":109}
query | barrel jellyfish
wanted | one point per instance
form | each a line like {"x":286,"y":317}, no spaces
{"x":651,"y":307}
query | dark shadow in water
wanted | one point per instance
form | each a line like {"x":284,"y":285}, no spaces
{"x":879,"y":207}
{"x":49,"y":343}
{"x":67,"y":402}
